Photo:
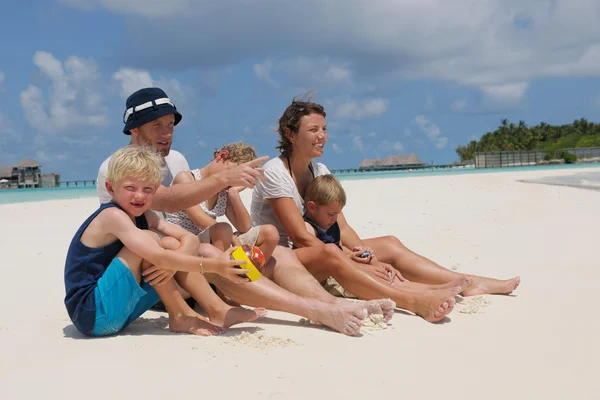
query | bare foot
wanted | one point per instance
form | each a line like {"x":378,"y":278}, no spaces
{"x":387,"y":308}
{"x":383,"y":307}
{"x":434,"y":305}
{"x":230,"y":316}
{"x":346,"y":319}
{"x":481,"y":285}
{"x":196,"y":325}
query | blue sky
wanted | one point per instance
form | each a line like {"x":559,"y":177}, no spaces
{"x":395,"y":77}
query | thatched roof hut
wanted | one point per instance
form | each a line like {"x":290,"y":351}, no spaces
{"x":391,"y":161}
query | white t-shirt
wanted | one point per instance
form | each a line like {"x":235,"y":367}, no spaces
{"x":278,"y":184}
{"x":175,"y":163}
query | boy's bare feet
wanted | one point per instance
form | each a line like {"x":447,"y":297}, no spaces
{"x":196,"y":325}
{"x":481,"y":285}
{"x":434,"y":305}
{"x":347,"y":318}
{"x":229,"y":316}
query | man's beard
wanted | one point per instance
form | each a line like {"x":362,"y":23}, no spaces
{"x":142,"y":139}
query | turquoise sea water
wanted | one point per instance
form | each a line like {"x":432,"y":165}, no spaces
{"x":28,"y":195}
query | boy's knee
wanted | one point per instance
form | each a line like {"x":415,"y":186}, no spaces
{"x":169,"y":243}
{"x":222,"y":228}
{"x":269,"y":233}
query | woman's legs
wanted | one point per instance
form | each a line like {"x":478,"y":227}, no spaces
{"x":420,"y":269}
{"x":328,"y":260}
{"x":288,"y":272}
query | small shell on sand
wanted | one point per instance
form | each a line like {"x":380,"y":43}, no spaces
{"x":472,"y":304}
{"x":259,"y":341}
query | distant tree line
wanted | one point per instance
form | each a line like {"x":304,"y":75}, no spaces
{"x":510,"y":137}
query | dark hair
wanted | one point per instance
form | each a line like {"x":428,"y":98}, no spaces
{"x":290,"y":120}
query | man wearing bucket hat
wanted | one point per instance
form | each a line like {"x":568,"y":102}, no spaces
{"x":149,"y":118}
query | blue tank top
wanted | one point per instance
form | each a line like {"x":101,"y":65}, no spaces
{"x":331,"y":235}
{"x":83,"y":268}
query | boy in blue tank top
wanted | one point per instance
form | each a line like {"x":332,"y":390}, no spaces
{"x":115,"y":248}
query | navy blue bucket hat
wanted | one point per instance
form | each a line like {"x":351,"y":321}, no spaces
{"x":145,"y":106}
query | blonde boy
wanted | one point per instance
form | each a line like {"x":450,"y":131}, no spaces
{"x":114,"y":248}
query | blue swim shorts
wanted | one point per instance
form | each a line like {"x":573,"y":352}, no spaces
{"x":120,"y":299}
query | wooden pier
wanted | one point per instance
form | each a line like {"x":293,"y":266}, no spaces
{"x":407,"y":167}
{"x":78,"y":183}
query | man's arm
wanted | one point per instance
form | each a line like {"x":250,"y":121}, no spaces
{"x":236,"y":211}
{"x":290,"y":218}
{"x":179,"y":197}
{"x":201,"y":219}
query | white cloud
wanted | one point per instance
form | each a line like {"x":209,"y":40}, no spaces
{"x":459,"y":106}
{"x":336,"y":148}
{"x":358,"y":143}
{"x":200,"y":143}
{"x":508,"y":94}
{"x":356,"y":109}
{"x":131,"y":80}
{"x":486,"y":47}
{"x":320,"y":72}
{"x":432,"y":131}
{"x":2,"y":77}
{"x":372,"y":134}
{"x":73,"y":99}
{"x":263,"y":72}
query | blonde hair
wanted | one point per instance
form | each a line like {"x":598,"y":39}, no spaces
{"x":238,"y":153}
{"x":135,"y":161}
{"x":325,"y":190}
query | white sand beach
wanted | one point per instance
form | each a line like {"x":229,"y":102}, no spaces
{"x":539,"y":343}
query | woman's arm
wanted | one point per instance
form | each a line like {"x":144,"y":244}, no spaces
{"x":290,"y":218}
{"x":236,"y":212}
{"x":195,"y":212}
{"x":350,"y":237}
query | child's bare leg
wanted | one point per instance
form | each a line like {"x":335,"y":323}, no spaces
{"x":267,"y":240}
{"x":218,"y":311}
{"x":182,"y":318}
{"x":220,"y":235}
